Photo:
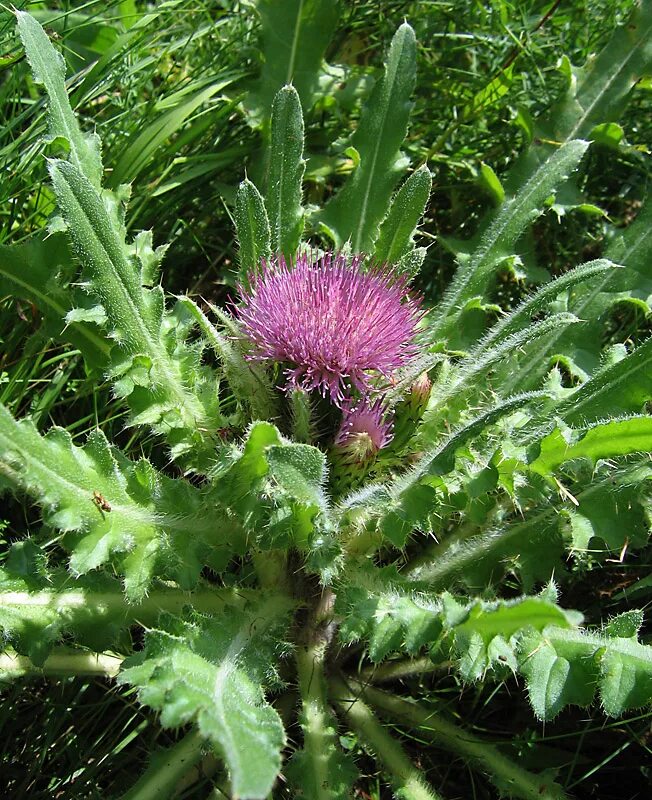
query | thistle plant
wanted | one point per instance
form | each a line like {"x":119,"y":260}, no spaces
{"x":362,"y":491}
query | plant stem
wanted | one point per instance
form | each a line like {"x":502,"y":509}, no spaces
{"x":508,"y":776}
{"x":106,"y":604}
{"x":317,"y":723}
{"x":402,"y":668}
{"x":272,"y":570}
{"x":167,"y":769}
{"x":406,"y":778}
{"x":61,"y":663}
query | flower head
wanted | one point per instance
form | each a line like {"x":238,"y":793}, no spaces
{"x":364,"y":430}
{"x":333,"y":324}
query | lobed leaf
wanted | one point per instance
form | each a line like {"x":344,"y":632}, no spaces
{"x":211,"y":671}
{"x":565,"y":667}
{"x":111,"y":509}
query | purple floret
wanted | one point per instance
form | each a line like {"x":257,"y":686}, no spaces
{"x":333,"y":323}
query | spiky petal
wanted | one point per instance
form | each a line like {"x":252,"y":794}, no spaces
{"x":336,"y":326}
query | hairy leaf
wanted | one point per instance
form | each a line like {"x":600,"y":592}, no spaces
{"x":357,"y":209}
{"x":49,"y":69}
{"x":211,"y":671}
{"x":252,"y":229}
{"x":111,"y":509}
{"x":286,"y":167}
{"x":565,"y":667}
{"x":395,"y":238}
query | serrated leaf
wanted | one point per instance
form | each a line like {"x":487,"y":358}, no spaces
{"x":96,"y":495}
{"x":565,"y":667}
{"x":610,"y":439}
{"x":211,"y":671}
{"x":49,"y":69}
{"x":247,"y":380}
{"x":356,"y":211}
{"x":623,"y":387}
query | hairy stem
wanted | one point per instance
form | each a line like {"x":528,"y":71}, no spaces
{"x":405,"y":776}
{"x":108,"y":604}
{"x":402,"y":668}
{"x":61,"y":663}
{"x":507,"y":775}
{"x":168,"y":769}
{"x":272,"y":570}
{"x":316,"y":718}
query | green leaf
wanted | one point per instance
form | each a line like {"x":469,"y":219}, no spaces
{"x":49,"y":69}
{"x":294,"y":38}
{"x":520,"y":317}
{"x":356,"y":211}
{"x":110,"y":508}
{"x":286,"y":168}
{"x":612,"y":501}
{"x":484,"y":638}
{"x":591,"y":301}
{"x":615,"y":438}
{"x":158,"y":385}
{"x":498,"y":236}
{"x":622,"y":387}
{"x":300,"y":470}
{"x":39,"y":608}
{"x":395,"y":239}
{"x":252,"y":228}
{"x":565,"y":667}
{"x":597,"y":92}
{"x":29,"y":271}
{"x":211,"y":671}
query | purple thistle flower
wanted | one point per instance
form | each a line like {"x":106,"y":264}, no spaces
{"x":331,"y":321}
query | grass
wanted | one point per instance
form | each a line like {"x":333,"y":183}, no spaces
{"x":166,"y":99}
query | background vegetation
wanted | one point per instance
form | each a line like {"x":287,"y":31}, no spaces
{"x":172,"y":88}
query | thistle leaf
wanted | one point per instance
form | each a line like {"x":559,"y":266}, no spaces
{"x":355,"y":212}
{"x":396,"y":235}
{"x":49,"y":69}
{"x":606,"y":440}
{"x":252,"y":229}
{"x":286,"y":168}
{"x":565,"y":667}
{"x":110,"y":508}
{"x":211,"y":671}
